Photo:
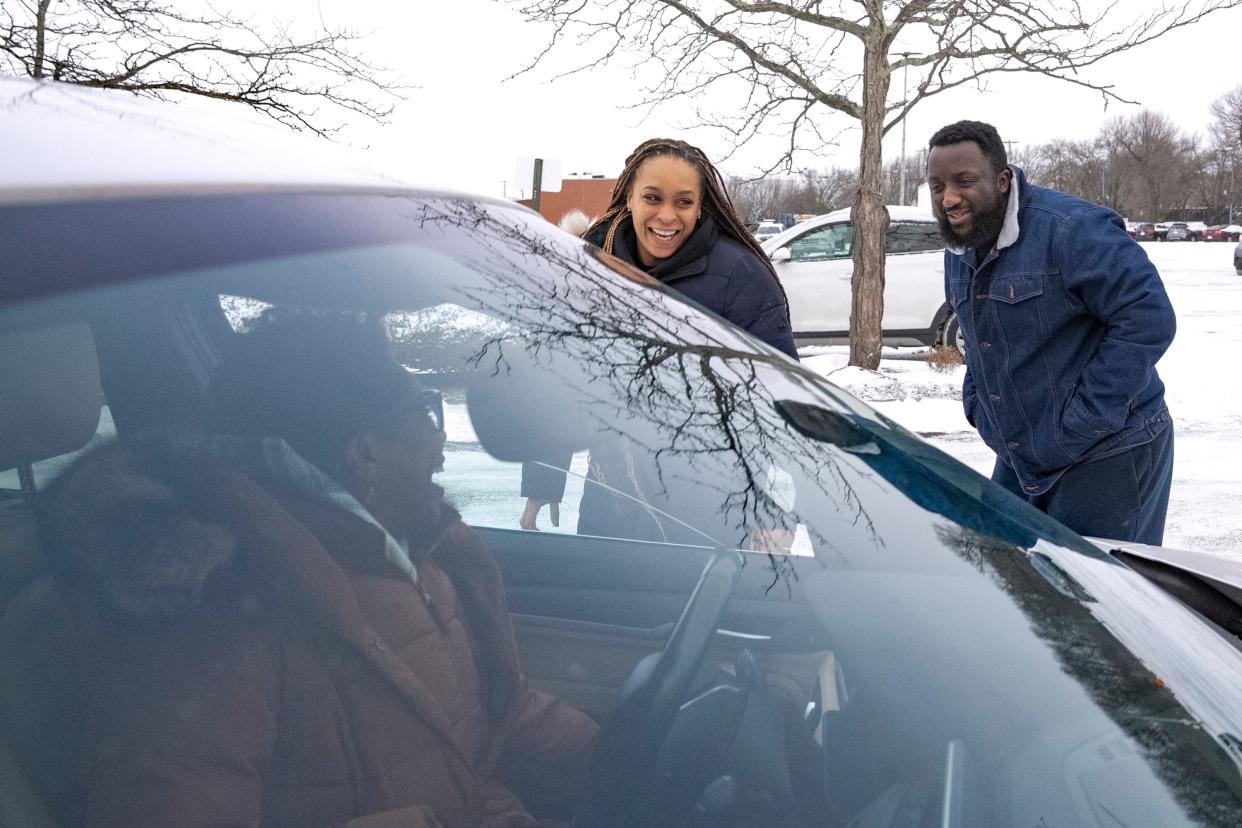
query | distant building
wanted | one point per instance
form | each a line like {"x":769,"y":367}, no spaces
{"x":588,"y":194}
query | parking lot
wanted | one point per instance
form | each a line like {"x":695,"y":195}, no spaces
{"x":1202,"y":373}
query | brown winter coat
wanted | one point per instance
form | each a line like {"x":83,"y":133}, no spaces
{"x":313,"y":684}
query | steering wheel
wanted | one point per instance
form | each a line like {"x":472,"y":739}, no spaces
{"x":630,"y":741}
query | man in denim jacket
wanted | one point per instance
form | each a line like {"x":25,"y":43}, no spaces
{"x":1064,"y":318}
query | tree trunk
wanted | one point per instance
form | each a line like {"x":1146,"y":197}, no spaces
{"x":870,"y":217}
{"x":40,"y":38}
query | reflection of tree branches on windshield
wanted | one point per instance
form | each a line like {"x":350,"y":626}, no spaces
{"x":1185,"y":757}
{"x":706,"y":403}
{"x":698,"y":399}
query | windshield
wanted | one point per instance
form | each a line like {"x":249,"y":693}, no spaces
{"x":943,"y":647}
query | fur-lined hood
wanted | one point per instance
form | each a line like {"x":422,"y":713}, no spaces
{"x":136,"y":530}
{"x":143,"y":528}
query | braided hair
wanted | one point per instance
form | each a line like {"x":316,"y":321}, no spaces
{"x":716,"y":201}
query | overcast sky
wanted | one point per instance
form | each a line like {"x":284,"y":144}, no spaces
{"x":464,"y":125}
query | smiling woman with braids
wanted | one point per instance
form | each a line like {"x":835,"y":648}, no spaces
{"x":671,"y":217}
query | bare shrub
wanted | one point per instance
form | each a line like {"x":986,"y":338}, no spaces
{"x":944,"y":358}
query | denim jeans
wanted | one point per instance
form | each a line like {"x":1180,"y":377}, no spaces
{"x":1123,"y":497}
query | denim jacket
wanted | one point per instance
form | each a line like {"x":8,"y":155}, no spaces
{"x":1064,"y":321}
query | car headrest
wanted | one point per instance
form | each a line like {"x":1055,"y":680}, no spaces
{"x":50,"y":395}
{"x":531,"y":406}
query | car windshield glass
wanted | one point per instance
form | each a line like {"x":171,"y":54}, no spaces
{"x":945,"y":645}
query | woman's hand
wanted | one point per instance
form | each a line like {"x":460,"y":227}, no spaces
{"x":531,"y":513}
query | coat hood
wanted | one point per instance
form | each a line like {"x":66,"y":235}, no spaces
{"x":137,"y":533}
{"x":147,"y":528}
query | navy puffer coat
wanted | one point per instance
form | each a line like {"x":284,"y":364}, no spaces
{"x":722,"y":275}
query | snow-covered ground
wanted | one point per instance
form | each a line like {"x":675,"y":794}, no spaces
{"x":1203,"y":384}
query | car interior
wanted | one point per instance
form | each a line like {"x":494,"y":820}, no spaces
{"x":607,"y":624}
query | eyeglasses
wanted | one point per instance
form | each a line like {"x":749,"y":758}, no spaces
{"x":429,"y":400}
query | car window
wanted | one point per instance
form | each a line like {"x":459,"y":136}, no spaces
{"x":913,"y":237}
{"x":836,"y":241}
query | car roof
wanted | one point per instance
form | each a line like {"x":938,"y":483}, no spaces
{"x":66,"y":142}
{"x":896,"y":212}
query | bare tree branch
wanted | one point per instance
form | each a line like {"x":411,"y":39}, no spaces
{"x":149,"y":47}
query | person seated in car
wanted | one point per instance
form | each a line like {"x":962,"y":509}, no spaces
{"x":281,"y":642}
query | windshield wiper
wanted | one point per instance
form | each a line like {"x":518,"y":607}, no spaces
{"x":1059,"y":579}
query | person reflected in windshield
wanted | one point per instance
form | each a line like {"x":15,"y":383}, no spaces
{"x":671,"y":217}
{"x":295,"y":627}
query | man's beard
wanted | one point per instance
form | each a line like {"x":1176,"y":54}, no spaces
{"x":983,"y":229}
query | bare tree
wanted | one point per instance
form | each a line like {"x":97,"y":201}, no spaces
{"x":788,"y":64}
{"x":1087,"y":169}
{"x":1158,"y":157}
{"x":892,"y":179}
{"x":811,"y":191}
{"x":833,"y":187}
{"x":149,"y":47}
{"x":1226,"y":133}
{"x":1227,"y":126}
{"x":759,"y":198}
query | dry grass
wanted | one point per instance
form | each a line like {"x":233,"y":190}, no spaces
{"x":943,"y":358}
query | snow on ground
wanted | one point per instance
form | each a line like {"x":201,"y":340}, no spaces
{"x":1203,"y":387}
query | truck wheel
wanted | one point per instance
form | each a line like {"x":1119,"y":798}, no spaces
{"x":951,"y":335}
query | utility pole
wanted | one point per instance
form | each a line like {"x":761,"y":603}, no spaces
{"x":537,"y":186}
{"x":1233,"y":189}
{"x":1103,"y":198}
{"x":905,"y":76}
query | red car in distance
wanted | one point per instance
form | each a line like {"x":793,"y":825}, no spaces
{"x":1223,"y":232}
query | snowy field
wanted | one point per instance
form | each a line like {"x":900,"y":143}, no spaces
{"x":1203,"y":388}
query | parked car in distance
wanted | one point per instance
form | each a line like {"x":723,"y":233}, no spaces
{"x":933,"y":652}
{"x":1162,"y":227}
{"x":1196,"y":229}
{"x":1177,"y":231}
{"x":1237,"y":259}
{"x":815,"y":262}
{"x":1223,"y":232}
{"x":768,"y":229}
{"x":1146,"y":232}
{"x":1132,"y":228}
